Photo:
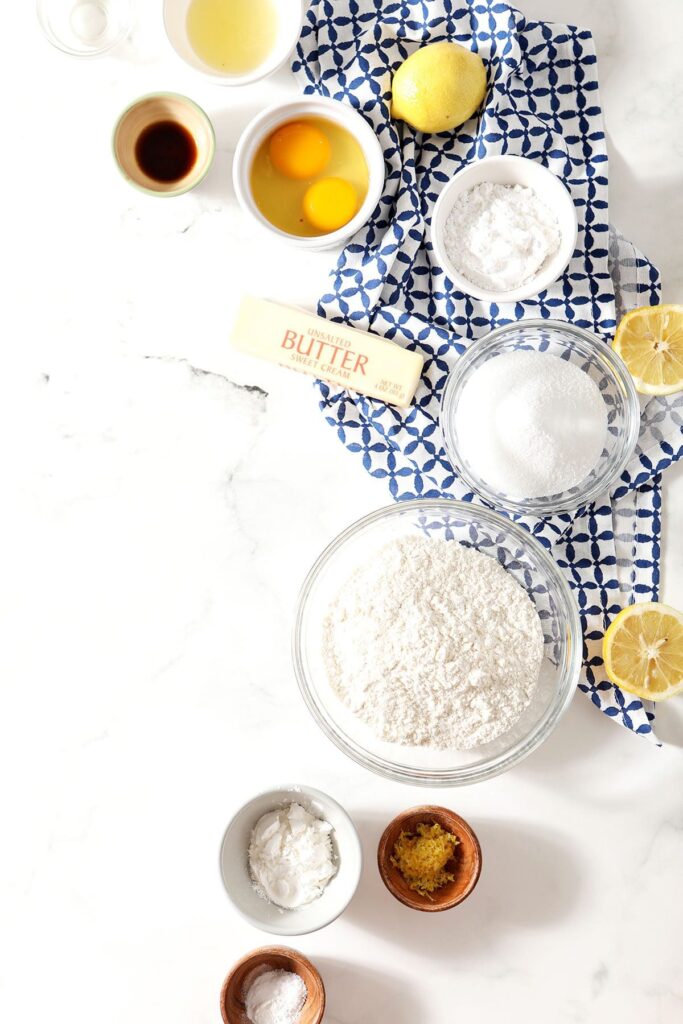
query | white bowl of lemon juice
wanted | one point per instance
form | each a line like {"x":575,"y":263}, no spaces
{"x":309,"y":171}
{"x":234,"y":42}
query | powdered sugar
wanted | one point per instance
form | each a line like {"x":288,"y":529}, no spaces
{"x":500,"y":236}
{"x":432,"y":643}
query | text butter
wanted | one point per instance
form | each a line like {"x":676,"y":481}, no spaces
{"x":334,"y":352}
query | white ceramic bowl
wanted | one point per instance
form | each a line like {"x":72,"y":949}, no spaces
{"x":290,"y":15}
{"x":270,"y":119}
{"x":509,"y":170}
{"x":337,"y":894}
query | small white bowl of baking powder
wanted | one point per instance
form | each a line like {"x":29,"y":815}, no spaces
{"x":504,"y":229}
{"x":245,"y":893}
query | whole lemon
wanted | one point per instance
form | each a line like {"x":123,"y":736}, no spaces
{"x":438,"y":87}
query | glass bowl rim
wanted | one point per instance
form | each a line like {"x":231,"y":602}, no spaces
{"x":468,"y":774}
{"x":612,"y":363}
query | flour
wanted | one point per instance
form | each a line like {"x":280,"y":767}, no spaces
{"x":500,"y":236}
{"x":432,"y":643}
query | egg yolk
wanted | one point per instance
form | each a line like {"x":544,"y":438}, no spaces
{"x":299,"y":150}
{"x":330,"y":203}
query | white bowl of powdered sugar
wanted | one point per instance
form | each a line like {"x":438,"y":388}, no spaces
{"x":504,"y":229}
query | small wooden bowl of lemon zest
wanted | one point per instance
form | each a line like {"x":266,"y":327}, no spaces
{"x":425,"y":867}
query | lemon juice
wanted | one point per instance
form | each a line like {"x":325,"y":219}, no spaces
{"x":232,"y":36}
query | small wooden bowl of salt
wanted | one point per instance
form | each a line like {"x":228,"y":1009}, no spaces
{"x":247,"y":971}
{"x":464,"y":865}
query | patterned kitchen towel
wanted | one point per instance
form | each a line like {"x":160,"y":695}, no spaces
{"x":542,"y":103}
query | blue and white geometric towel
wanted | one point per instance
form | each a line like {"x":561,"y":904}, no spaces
{"x":542,"y":103}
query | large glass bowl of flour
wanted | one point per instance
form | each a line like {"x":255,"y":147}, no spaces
{"x":520,"y":556}
{"x":588,"y":356}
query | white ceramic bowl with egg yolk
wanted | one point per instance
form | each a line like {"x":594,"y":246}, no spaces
{"x":337,"y":894}
{"x":267,"y":122}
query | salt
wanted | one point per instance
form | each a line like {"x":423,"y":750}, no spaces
{"x":500,"y":236}
{"x":531,"y":424}
{"x":89,"y":21}
{"x":275,"y":997}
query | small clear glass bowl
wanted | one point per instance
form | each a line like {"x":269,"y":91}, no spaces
{"x":529,"y":564}
{"x":85,"y":28}
{"x":594,"y":357}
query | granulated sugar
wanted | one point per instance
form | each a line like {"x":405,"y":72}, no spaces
{"x":432,"y":643}
{"x":500,"y":236}
{"x":531,"y":424}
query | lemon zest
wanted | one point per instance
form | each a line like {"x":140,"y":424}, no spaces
{"x":422,"y":856}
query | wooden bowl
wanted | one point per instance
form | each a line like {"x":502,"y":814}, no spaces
{"x":272,"y":958}
{"x":465,"y":865}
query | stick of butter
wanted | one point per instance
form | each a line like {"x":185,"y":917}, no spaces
{"x":334,"y":352}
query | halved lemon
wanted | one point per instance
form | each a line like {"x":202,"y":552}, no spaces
{"x":650,"y":341}
{"x":643,"y":651}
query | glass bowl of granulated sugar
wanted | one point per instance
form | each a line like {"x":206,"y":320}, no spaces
{"x":436,"y":643}
{"x":540,"y":418}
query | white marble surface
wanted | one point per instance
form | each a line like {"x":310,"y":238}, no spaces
{"x":157,"y":519}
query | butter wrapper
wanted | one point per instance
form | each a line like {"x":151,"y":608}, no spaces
{"x":333,"y":352}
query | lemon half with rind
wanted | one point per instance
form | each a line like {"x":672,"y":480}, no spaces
{"x":643,"y":651}
{"x":650,"y":341}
